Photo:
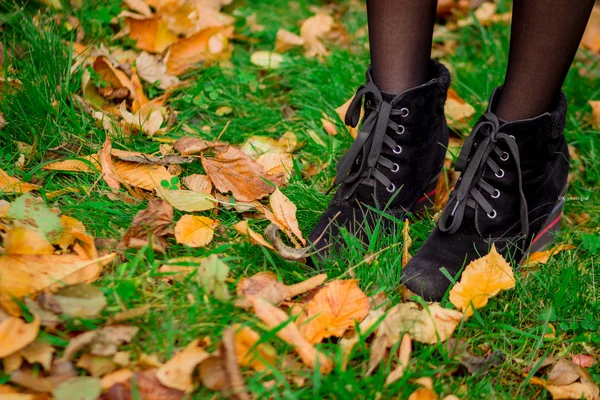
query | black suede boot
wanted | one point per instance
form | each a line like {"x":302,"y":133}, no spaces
{"x":510,"y":193}
{"x":394,"y":163}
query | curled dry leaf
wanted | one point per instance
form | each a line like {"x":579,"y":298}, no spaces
{"x":250,"y":351}
{"x":266,"y":285}
{"x":178,"y":372}
{"x":284,"y":212}
{"x":333,"y":310}
{"x":403,"y":359}
{"x":191,"y":145}
{"x":289,"y":253}
{"x":198,"y":183}
{"x":483,"y":278}
{"x":243,"y":229}
{"x":274,"y":317}
{"x":117,"y":84}
{"x":11,"y":185}
{"x":101,"y":342}
{"x":233,"y":171}
{"x":312,"y":31}
{"x":286,"y":40}
{"x":569,"y":381}
{"x":150,"y":226}
{"x":195,"y":231}
{"x":407,"y":242}
{"x":16,"y":334}
{"x":151,"y":69}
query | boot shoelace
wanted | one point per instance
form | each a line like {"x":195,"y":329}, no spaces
{"x":469,"y":191}
{"x":369,"y":141}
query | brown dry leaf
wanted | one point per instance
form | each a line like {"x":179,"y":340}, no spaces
{"x":243,"y":228}
{"x":19,"y":240}
{"x":119,"y":376}
{"x":152,"y":34}
{"x":250,"y":352}
{"x":266,"y":285}
{"x":591,"y":37}
{"x":584,"y":360}
{"x":286,"y":40}
{"x":147,"y":119}
{"x":542,"y":257}
{"x":81,"y":164}
{"x":16,"y":334}
{"x":11,"y":185}
{"x":97,"y":366}
{"x":71,"y":227}
{"x":569,"y":381}
{"x":229,"y":357}
{"x":208,"y":45}
{"x":274,"y":317}
{"x":595,"y":113}
{"x":233,"y":171}
{"x":101,"y":342}
{"x":342,"y":110}
{"x":131,"y":313}
{"x":277,"y":165}
{"x":187,"y":200}
{"x":118,"y":85}
{"x":150,"y":226}
{"x":256,"y":146}
{"x":348,"y":343}
{"x":139,"y":6}
{"x":312,"y":31}
{"x":178,"y":372}
{"x":333,"y":310}
{"x":284,"y":212}
{"x":39,"y":352}
{"x":407,"y":242}
{"x":192,"y":145}
{"x":482,"y":278}
{"x":147,"y":387}
{"x":198,"y":183}
{"x":32,"y":380}
{"x":109,"y":174}
{"x":403,"y":359}
{"x":457,"y":110}
{"x":195,"y":231}
{"x":151,"y":69}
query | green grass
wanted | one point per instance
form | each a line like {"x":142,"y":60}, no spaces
{"x":564,"y":292}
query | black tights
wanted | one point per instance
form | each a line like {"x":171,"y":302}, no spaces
{"x":544,"y":38}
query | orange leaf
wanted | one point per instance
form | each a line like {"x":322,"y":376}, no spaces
{"x":152,"y":34}
{"x":542,"y":257}
{"x":591,"y":37}
{"x":208,"y":45}
{"x":114,"y":77}
{"x":195,"y":231}
{"x":243,"y":228}
{"x":81,"y":164}
{"x":10,"y":185}
{"x":334,"y":309}
{"x":19,"y":240}
{"x":274,"y":317}
{"x":285,"y":214}
{"x":198,"y":183}
{"x":145,"y":176}
{"x":250,"y":352}
{"x":15,"y":335}
{"x":483,"y":278}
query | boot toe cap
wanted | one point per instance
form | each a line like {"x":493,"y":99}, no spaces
{"x":425,"y":279}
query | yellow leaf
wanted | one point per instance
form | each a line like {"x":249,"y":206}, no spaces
{"x":334,"y":309}
{"x":138,"y":6}
{"x":285,"y":214}
{"x":483,"y":278}
{"x":274,"y":317}
{"x":19,"y":240}
{"x":542,"y":257}
{"x":407,"y":242}
{"x":16,"y":334}
{"x":243,"y":228}
{"x":266,"y":59}
{"x":186,"y":200}
{"x":195,"y":231}
{"x":341,"y":111}
{"x":178,"y":372}
{"x":10,"y":185}
{"x":250,"y":352}
{"x":81,"y":164}
{"x":145,"y":176}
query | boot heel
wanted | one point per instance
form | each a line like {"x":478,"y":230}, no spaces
{"x":548,"y":233}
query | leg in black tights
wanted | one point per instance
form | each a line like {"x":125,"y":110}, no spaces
{"x":400,"y":34}
{"x":544,"y":38}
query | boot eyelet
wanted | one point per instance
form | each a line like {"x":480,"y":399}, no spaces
{"x":395,"y":168}
{"x":404,"y":112}
{"x":400,"y":129}
{"x":499,"y":174}
{"x":496,"y":194}
{"x":505,"y":156}
{"x":492,"y":215}
{"x":398,"y":149}
{"x":391,"y":188}
{"x":513,"y":138}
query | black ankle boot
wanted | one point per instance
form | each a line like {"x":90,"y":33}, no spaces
{"x":394,"y":162}
{"x":510,"y":193}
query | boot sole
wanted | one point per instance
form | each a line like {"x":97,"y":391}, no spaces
{"x":547,"y":234}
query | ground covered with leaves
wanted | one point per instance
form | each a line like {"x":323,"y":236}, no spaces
{"x":161,"y":162}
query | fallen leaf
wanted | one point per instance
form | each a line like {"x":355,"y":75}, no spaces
{"x":16,"y":334}
{"x":81,"y":388}
{"x":119,"y":376}
{"x":178,"y":372}
{"x":266,"y":59}
{"x":313,"y":29}
{"x":266,"y":285}
{"x":584,"y":360}
{"x":406,"y":245}
{"x":250,"y":351}
{"x":33,"y":213}
{"x":31,"y":379}
{"x":101,"y":342}
{"x":198,"y":183}
{"x":19,"y":240}
{"x":151,"y":34}
{"x":243,"y":228}
{"x":542,"y":257}
{"x":212,"y":275}
{"x":39,"y":352}
{"x":147,"y":386}
{"x":131,"y":313}
{"x":116,"y":84}
{"x":482,"y":278}
{"x":256,"y":146}
{"x":277,"y":165}
{"x":284,"y":212}
{"x":88,"y":164}
{"x":97,"y":366}
{"x":192,"y":145}
{"x":195,"y":231}
{"x":187,"y":200}
{"x":273,"y":317}
{"x":144,"y":176}
{"x":229,"y":356}
{"x":333,"y":310}
{"x":591,"y":37}
{"x":457,"y":110}
{"x":139,"y":6}
{"x":568,"y":381}
{"x":80,"y":300}
{"x":180,"y":267}
{"x":286,"y":40}
{"x":152,"y":70}
{"x":233,"y":171}
{"x":423,"y":394}
{"x":341,"y":112}
{"x":148,"y":119}
{"x":208,"y":45}
{"x":482,"y":365}
{"x":403,"y":359}
{"x":150,"y":227}
{"x":595,"y":110}
{"x":348,"y":343}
